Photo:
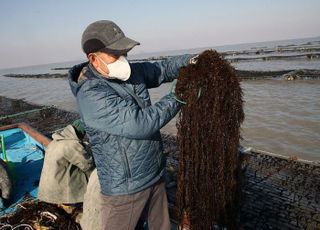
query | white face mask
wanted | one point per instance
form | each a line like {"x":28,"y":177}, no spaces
{"x":120,"y":69}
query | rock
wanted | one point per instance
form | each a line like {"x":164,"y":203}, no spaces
{"x":301,"y":74}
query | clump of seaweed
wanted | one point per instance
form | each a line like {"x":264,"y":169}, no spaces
{"x":34,"y":214}
{"x":208,"y":137}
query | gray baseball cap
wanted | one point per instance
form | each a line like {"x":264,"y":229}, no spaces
{"x":106,"y":36}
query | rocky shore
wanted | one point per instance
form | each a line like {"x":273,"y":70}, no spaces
{"x":303,"y":74}
{"x":278,"y":192}
{"x":46,"y":75}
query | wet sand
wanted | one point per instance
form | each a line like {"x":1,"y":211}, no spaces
{"x":45,"y":119}
{"x":278,"y":192}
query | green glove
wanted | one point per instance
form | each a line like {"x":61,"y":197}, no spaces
{"x":79,"y":127}
{"x":172,"y":92}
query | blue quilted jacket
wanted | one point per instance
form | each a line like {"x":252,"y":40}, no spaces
{"x":122,"y":124}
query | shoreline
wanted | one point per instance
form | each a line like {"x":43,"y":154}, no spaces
{"x":299,"y":74}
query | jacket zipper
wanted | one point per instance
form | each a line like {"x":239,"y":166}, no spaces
{"x":127,"y":165}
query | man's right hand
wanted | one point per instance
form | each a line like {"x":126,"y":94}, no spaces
{"x":172,"y":92}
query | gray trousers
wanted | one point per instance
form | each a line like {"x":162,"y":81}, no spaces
{"x":123,"y":212}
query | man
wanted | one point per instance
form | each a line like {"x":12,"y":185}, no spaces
{"x":67,"y":167}
{"x":123,"y":126}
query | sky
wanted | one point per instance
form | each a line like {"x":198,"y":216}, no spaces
{"x":48,"y":31}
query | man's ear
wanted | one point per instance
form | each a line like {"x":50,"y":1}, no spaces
{"x":93,"y":60}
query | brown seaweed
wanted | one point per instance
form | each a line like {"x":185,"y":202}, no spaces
{"x":208,"y":137}
{"x":41,"y":215}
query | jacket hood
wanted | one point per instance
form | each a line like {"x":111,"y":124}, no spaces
{"x":68,"y":133}
{"x":73,"y":76}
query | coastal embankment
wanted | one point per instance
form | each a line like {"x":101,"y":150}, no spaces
{"x":302,"y":74}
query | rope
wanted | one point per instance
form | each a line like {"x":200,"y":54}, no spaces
{"x":25,"y":112}
{"x":11,"y":227}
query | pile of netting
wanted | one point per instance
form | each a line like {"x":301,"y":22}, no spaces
{"x":208,"y":138}
{"x":34,"y":214}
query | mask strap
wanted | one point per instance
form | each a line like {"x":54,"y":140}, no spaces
{"x":100,"y":59}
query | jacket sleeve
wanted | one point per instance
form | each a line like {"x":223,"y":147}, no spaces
{"x":165,"y":71}
{"x":108,"y":112}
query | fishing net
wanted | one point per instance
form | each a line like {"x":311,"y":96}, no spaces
{"x":208,"y":137}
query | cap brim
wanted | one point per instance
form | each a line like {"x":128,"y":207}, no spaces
{"x":124,"y":44}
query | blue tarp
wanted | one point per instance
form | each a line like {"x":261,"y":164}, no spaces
{"x":25,"y":156}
